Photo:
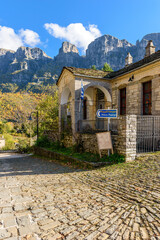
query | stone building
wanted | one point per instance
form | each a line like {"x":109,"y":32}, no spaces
{"x":137,"y":86}
{"x":97,"y":95}
{"x":134,"y":91}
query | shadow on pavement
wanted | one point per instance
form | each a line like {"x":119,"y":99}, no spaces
{"x":28,"y":165}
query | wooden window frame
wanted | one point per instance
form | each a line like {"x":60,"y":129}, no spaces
{"x":149,"y":103}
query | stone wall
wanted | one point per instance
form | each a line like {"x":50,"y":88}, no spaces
{"x":131,"y":137}
{"x":68,"y":141}
{"x":119,"y":140}
{"x":123,"y":143}
{"x":134,"y":89}
{"x":90,"y":143}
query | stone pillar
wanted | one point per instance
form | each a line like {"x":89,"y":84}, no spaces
{"x":125,"y":141}
{"x":131,"y":135}
{"x":119,"y":141}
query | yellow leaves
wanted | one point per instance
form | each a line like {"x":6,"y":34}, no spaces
{"x":16,"y":106}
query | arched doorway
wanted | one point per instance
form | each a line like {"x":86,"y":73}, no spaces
{"x":100,"y":104}
{"x":95,"y":97}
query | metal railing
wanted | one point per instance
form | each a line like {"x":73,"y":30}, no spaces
{"x":148,"y":134}
{"x":98,"y":125}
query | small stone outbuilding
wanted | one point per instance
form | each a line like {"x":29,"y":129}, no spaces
{"x":73,"y":112}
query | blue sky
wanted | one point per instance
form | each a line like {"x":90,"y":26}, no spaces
{"x":47,"y":23}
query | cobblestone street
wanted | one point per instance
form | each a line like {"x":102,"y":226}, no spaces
{"x":44,"y":200}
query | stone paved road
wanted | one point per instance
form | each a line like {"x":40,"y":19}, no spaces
{"x":43,"y":200}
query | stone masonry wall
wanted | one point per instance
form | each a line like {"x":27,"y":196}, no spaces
{"x":68,"y":141}
{"x":90,"y":143}
{"x":119,"y":141}
{"x":131,"y":134}
{"x":124,"y":143}
{"x":134,"y":89}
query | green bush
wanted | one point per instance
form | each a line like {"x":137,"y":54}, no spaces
{"x":23,"y":145}
{"x":115,"y":158}
{"x":43,"y":142}
{"x":58,"y":145}
{"x":9,"y":142}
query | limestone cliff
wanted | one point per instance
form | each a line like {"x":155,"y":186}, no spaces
{"x":113,"y":51}
{"x":107,"y":49}
{"x":32,"y":64}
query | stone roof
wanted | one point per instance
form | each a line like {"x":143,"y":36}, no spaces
{"x":87,"y":72}
{"x":134,"y":66}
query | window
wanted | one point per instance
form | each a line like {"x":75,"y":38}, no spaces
{"x":85,"y":109}
{"x":147,"y":98}
{"x":123,"y":101}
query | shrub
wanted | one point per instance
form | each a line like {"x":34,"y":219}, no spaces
{"x":23,"y":145}
{"x":58,"y":145}
{"x":43,"y":142}
{"x":115,"y":158}
{"x":9,"y":142}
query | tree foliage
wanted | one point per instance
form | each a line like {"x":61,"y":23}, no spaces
{"x":94,"y":67}
{"x":16,"y":107}
{"x":48,"y":112}
{"x":107,"y":68}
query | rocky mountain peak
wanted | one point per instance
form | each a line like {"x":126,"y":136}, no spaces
{"x":4,"y":51}
{"x":30,"y":53}
{"x":68,"y":48}
{"x":25,"y":63}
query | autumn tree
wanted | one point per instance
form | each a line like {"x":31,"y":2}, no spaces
{"x":48,"y":112}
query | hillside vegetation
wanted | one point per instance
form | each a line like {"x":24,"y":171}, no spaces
{"x":18,"y":123}
{"x":16,"y":107}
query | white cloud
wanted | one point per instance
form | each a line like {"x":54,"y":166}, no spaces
{"x":9,"y":39}
{"x":29,"y":37}
{"x":75,"y":33}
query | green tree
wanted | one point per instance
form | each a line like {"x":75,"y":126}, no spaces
{"x":48,"y":113}
{"x":6,"y":127}
{"x":93,"y":67}
{"x":107,"y":68}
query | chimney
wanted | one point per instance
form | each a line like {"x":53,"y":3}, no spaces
{"x":128,"y":59}
{"x":150,"y":49}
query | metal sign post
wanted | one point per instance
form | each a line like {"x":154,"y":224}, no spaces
{"x":107,"y":113}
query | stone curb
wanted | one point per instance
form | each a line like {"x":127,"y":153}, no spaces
{"x":9,"y":151}
{"x":59,"y":156}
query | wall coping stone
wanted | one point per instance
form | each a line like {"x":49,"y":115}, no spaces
{"x":58,"y":156}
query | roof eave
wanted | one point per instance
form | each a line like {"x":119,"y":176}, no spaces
{"x":88,"y":76}
{"x":113,"y":78}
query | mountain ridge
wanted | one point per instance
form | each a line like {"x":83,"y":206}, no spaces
{"x":33,"y":65}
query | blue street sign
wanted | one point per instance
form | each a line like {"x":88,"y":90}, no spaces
{"x":107,"y":113}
